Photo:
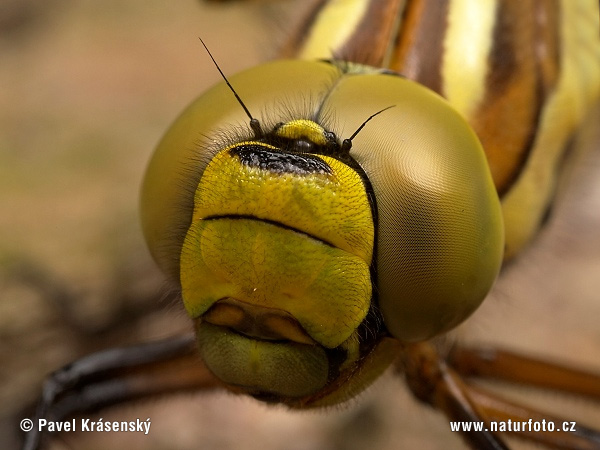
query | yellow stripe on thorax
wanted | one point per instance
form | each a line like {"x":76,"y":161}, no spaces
{"x":467,"y":45}
{"x":336,"y":23}
{"x":523,"y":113}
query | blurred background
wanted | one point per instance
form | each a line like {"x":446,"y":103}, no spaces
{"x":86,"y":90}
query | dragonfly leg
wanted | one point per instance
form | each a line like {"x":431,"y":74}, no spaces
{"x":441,"y":385}
{"x":485,"y":362}
{"x":552,"y":431}
{"x":436,"y":384}
{"x":118,"y":375}
{"x":512,"y":367}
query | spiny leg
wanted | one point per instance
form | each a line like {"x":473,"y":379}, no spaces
{"x":494,"y":408}
{"x":119,"y":375}
{"x":486,"y":362}
{"x":434,"y":383}
{"x":441,"y":386}
{"x":516,"y":368}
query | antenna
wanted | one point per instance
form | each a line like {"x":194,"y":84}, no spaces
{"x":254,"y":123}
{"x":347,"y":144}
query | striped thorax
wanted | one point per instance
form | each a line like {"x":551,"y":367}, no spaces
{"x":523,"y":74}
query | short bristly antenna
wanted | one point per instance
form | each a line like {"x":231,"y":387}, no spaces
{"x":254,"y":123}
{"x":347,"y":144}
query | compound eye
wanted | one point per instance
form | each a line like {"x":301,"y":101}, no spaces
{"x":440,"y":233}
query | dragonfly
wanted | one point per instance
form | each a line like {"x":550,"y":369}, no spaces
{"x":514,"y":115}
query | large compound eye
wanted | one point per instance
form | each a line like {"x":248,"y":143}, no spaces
{"x":440,"y":230}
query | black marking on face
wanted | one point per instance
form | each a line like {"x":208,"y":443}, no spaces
{"x":265,"y":158}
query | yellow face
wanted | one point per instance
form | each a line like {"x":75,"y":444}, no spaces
{"x":304,"y":262}
{"x":275,"y":235}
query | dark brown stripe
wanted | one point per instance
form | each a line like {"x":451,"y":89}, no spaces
{"x":420,"y":44}
{"x":523,"y":70}
{"x":375,"y":34}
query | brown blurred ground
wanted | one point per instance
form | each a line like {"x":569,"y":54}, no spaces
{"x":87,"y":89}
